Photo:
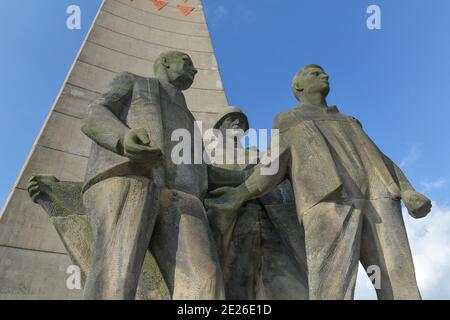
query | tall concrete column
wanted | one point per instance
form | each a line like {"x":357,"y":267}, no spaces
{"x":126,"y":35}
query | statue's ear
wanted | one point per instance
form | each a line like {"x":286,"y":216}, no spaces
{"x":165,"y":62}
{"x":296,"y":86}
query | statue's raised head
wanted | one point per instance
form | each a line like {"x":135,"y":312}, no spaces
{"x":176,"y":68}
{"x":311,"y":79}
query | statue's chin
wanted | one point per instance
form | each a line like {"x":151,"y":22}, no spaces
{"x":324,"y":90}
{"x":183,"y":82}
{"x":186,"y":85}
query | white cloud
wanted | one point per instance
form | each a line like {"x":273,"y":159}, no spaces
{"x":430,"y":245}
{"x":219,"y":13}
{"x":434,"y":185}
{"x":411,"y":157}
{"x":244,"y":13}
{"x":240,"y":13}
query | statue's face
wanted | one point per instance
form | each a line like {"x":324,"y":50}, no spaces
{"x":233,"y":122}
{"x":314,"y":80}
{"x":181,"y":71}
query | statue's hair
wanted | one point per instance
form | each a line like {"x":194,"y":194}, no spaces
{"x":300,"y":74}
{"x":168,"y":55}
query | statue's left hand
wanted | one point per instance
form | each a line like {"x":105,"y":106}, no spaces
{"x":417,"y":204}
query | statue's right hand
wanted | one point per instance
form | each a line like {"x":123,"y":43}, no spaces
{"x":417,"y":204}
{"x":137,"y":147}
{"x":225,"y":199}
{"x":38,"y":185}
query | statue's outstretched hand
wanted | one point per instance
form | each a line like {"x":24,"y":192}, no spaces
{"x":38,"y":185}
{"x":417,"y":204}
{"x":226,"y":200}
{"x":137,"y":147}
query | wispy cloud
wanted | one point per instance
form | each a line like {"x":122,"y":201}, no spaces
{"x":434,"y":185}
{"x":241,"y":13}
{"x":430,"y":245}
{"x":245,"y":14}
{"x":218,"y":14}
{"x":411,"y":157}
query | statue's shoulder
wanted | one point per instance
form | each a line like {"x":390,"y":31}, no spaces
{"x":355,"y":120}
{"x":342,"y":116}
{"x":284,"y":120}
{"x":137,"y":77}
{"x":149,"y":83}
{"x":121,"y":82}
{"x":126,"y":76}
{"x":152,"y":82}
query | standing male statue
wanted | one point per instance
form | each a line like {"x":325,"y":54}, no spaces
{"x":262,"y":245}
{"x":347,"y":195}
{"x":136,"y":197}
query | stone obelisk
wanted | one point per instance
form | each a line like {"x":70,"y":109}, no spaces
{"x":126,"y":35}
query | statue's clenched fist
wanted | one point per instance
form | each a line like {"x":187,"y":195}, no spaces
{"x":417,"y":204}
{"x":137,"y":147}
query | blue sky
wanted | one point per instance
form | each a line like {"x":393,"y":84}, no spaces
{"x":36,"y":54}
{"x":394,"y":80}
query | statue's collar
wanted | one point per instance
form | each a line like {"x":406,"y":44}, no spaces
{"x":311,"y":108}
{"x":174,"y":94}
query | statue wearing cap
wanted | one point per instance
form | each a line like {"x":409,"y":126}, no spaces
{"x":261,"y":245}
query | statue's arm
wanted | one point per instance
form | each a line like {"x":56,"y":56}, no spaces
{"x":58,"y":198}
{"x":261,"y":179}
{"x":101,"y":123}
{"x":401,"y":178}
{"x":228,"y":199}
{"x":403,"y":181}
{"x":395,"y":170}
{"x":221,"y":177}
{"x":418,"y":205}
{"x":259,"y":184}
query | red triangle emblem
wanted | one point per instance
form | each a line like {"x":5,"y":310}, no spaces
{"x":159,"y":4}
{"x":185,"y":10}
